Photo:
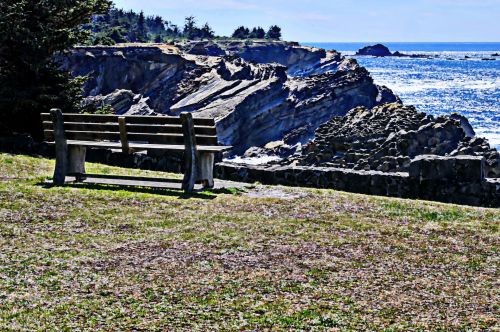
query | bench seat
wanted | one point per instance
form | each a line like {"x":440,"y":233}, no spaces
{"x":144,"y":146}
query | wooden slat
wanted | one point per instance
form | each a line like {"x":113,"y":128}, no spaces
{"x":140,"y":146}
{"x":170,"y":138}
{"x":82,"y":126}
{"x":49,"y":135}
{"x":154,"y":129}
{"x":170,"y":129}
{"x":133,"y":119}
{"x":142,"y":137}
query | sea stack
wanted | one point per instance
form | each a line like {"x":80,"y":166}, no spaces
{"x":375,"y":50}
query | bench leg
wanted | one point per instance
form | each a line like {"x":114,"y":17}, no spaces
{"x":61,"y":168}
{"x":206,"y":169}
{"x":191,"y":162}
{"x":76,"y":161}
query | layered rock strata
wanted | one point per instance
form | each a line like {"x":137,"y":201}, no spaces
{"x":252,"y":102}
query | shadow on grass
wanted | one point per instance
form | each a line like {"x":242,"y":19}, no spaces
{"x":201,"y":193}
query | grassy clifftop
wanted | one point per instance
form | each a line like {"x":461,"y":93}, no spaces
{"x":112,"y":259}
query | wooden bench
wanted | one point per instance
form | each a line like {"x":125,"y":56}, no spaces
{"x":72,"y":134}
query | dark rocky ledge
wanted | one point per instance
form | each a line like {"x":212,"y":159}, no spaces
{"x":385,"y":138}
{"x":458,"y":180}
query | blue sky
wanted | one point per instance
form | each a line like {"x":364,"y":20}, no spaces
{"x":341,"y":20}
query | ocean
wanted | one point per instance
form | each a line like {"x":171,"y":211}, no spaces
{"x":454,"y":78}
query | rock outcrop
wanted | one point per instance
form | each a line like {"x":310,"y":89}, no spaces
{"x":375,"y":50}
{"x":253,"y":102}
{"x":380,"y":50}
{"x":388,"y":137}
{"x":299,"y":60}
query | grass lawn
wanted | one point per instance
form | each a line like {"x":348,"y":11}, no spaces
{"x":107,"y":259}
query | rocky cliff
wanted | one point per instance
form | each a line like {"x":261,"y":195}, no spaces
{"x":257,"y":92}
{"x":299,"y":60}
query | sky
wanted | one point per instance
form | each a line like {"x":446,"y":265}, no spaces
{"x":341,"y":20}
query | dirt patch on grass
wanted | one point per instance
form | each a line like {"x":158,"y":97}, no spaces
{"x":277,"y":192}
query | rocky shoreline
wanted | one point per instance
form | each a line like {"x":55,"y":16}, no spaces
{"x":293,"y":107}
{"x":385,"y":138}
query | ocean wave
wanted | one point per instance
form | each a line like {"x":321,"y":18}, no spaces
{"x":439,"y":87}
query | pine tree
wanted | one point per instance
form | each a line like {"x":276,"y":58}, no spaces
{"x":207,"y":32}
{"x":190,"y":29}
{"x":258,"y":33}
{"x":274,"y":32}
{"x":31,"y":81}
{"x":241,"y":33}
{"x":141,"y":31}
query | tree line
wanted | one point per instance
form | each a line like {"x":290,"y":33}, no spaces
{"x":119,"y":26}
{"x":243,"y":32}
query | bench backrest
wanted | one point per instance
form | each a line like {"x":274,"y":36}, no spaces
{"x":165,"y":130}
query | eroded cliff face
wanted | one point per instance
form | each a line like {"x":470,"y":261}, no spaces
{"x":299,"y":60}
{"x":254,"y":102}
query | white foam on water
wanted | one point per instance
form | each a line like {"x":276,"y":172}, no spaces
{"x":253,"y":160}
{"x":439,"y":86}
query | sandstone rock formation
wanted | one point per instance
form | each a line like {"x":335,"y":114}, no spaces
{"x":253,"y":102}
{"x":299,"y":60}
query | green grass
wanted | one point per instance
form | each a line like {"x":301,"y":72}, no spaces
{"x":111,"y":259}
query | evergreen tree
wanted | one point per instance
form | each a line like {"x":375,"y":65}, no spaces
{"x":117,"y":35}
{"x":258,"y":33}
{"x":159,"y":27}
{"x":241,"y":33}
{"x":274,"y":32}
{"x":207,"y":32}
{"x":190,"y":29}
{"x":141,"y":31}
{"x":31,"y":81}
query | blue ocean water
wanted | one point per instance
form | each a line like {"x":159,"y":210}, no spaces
{"x":445,"y":82}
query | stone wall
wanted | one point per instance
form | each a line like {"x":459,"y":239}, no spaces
{"x":457,"y":180}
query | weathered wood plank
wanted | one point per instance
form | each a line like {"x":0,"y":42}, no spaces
{"x":125,"y":177}
{"x":190,"y":153}
{"x":142,"y":137}
{"x":138,"y":128}
{"x":61,"y":167}
{"x":85,"y":126}
{"x":170,"y":129}
{"x":123,"y":135}
{"x":133,"y":119}
{"x":142,"y":146}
